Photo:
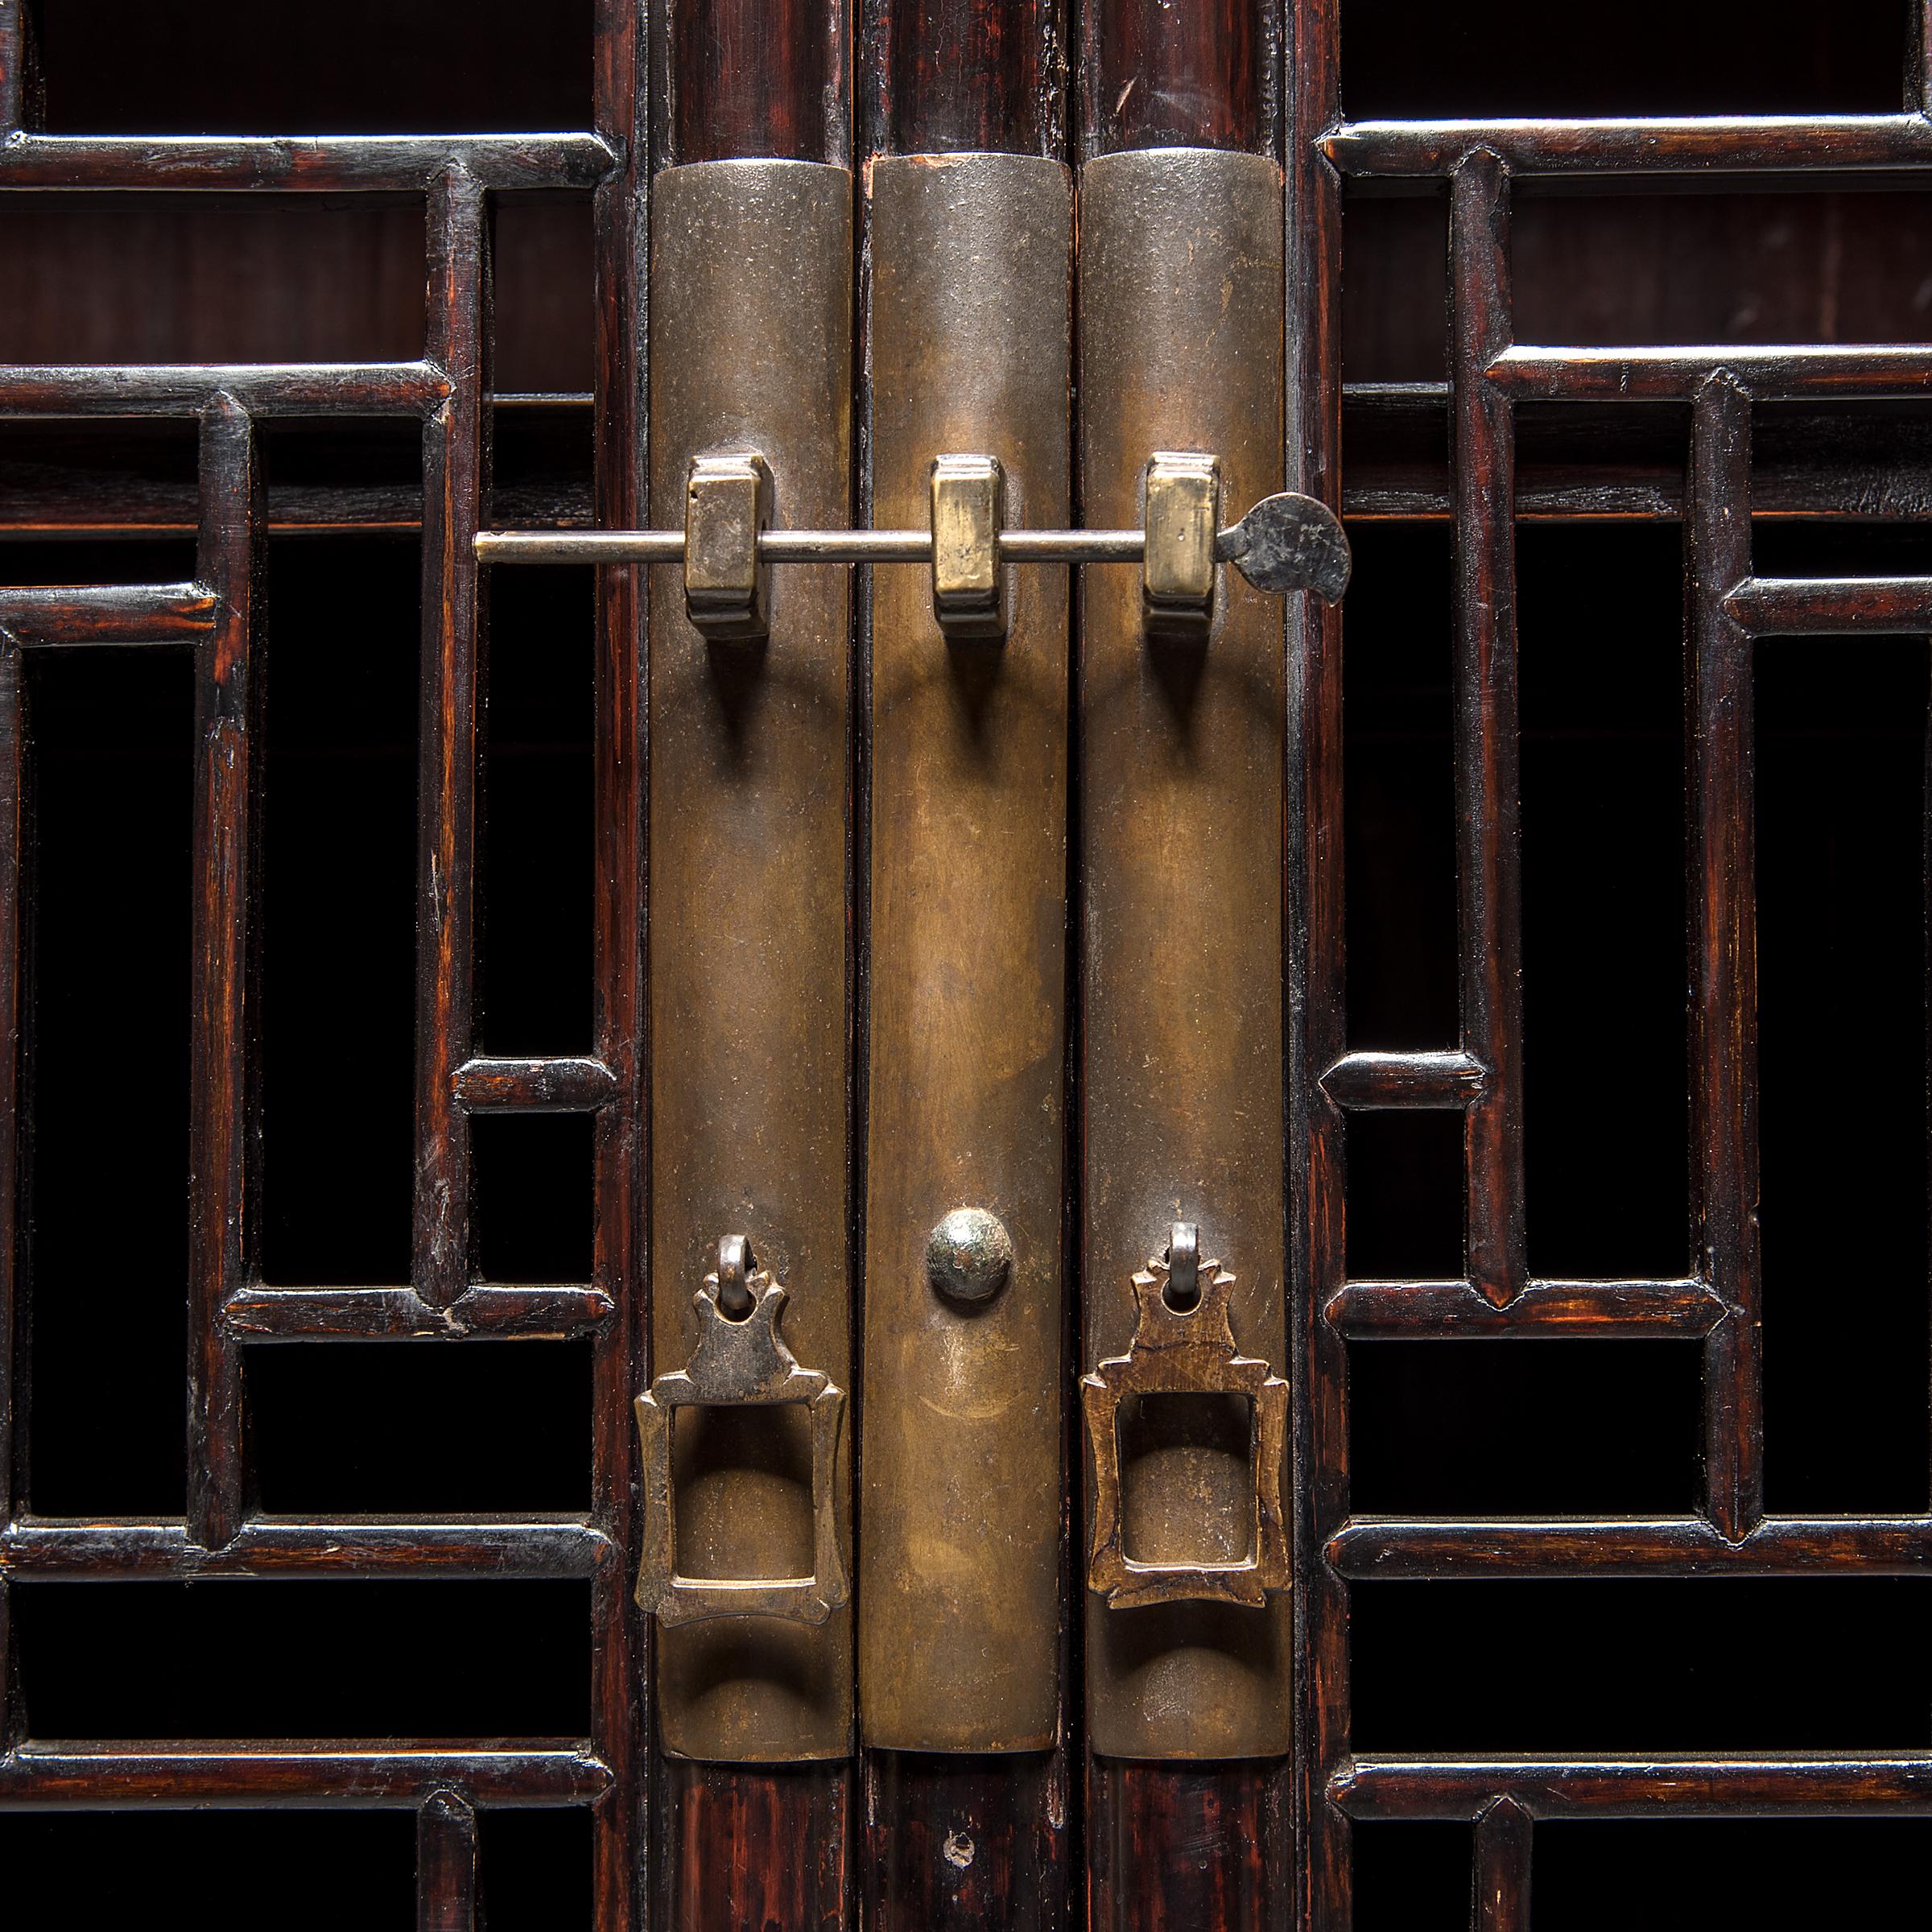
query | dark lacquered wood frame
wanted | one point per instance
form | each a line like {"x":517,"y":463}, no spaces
{"x":446,"y":393}
{"x":1503,"y":1796}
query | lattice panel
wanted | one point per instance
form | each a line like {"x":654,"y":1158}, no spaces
{"x":1483,"y":165}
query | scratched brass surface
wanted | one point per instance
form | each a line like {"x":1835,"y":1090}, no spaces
{"x":1180,"y":346}
{"x":751,"y":349}
{"x":960,"y":1564}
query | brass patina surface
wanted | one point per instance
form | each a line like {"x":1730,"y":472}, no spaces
{"x":727,"y":585}
{"x":961,"y":1561}
{"x":741,"y":1359}
{"x":1180,"y":346}
{"x":1188,"y":1350}
{"x":751,"y":350}
{"x":968,"y":506}
{"x":1181,"y":498}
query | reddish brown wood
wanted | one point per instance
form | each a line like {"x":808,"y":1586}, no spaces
{"x":1445,"y":1310}
{"x":1500,"y":1892}
{"x":1171,"y":1846}
{"x":962,"y":75}
{"x":768,"y":78}
{"x":621,"y":1711}
{"x":1673,"y":1546}
{"x":455,"y":481}
{"x":1663,"y":1785}
{"x":389,"y":1313}
{"x":1723,"y":918}
{"x":400,"y":1772}
{"x":371,"y":1547}
{"x":446,"y":1865}
{"x":227,"y":716}
{"x":1313,"y":961}
{"x":12,"y":858}
{"x":954,"y":1843}
{"x":332,"y":164}
{"x":120,"y":614}
{"x":13,"y":63}
{"x":1489,"y":874}
{"x":1158,"y":74}
{"x":747,"y":1846}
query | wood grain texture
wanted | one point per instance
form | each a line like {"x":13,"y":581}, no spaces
{"x":1488,"y":862}
{"x":749,"y":1845}
{"x":222,"y":1111}
{"x":764,"y":79}
{"x":966,"y":1844}
{"x":455,"y":484}
{"x":1719,"y":731}
{"x":446,"y":1865}
{"x":958,"y":76}
{"x":1155,"y":74}
{"x":1171,"y":1846}
{"x":620,"y":1362}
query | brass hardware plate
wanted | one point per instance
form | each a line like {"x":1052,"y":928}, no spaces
{"x":1180,"y":347}
{"x":968,"y":506}
{"x":727,"y":584}
{"x":959,"y":1545}
{"x":1182,"y":496}
{"x":751,"y":349}
{"x":739,"y":1360}
{"x":1183,"y":1344}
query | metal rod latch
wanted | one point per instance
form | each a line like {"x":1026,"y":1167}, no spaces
{"x":1286,"y":541}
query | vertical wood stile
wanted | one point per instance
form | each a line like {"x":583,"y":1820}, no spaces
{"x":12,"y":1379}
{"x":1489,"y":855}
{"x":455,"y":478}
{"x":227,"y":705}
{"x":1314,"y":961}
{"x":969,"y":1817}
{"x":1199,"y":1842}
{"x":769,"y":80}
{"x":1723,"y":927}
{"x":740,"y":1842}
{"x":446,"y":1864}
{"x":1500,"y":1894}
{"x":619,"y":1363}
{"x":13,"y":64}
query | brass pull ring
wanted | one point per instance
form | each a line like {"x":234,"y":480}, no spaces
{"x":1184,"y":1345}
{"x":739,"y":1359}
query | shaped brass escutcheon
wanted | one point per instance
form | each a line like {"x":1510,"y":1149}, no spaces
{"x":740,"y":1358}
{"x":1184,"y":1345}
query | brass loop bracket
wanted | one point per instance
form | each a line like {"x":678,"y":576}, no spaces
{"x":740,"y":1358}
{"x":1286,"y":541}
{"x":1184,"y":1344}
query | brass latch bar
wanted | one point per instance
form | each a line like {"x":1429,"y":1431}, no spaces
{"x":1286,"y":541}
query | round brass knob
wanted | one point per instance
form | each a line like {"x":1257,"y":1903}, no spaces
{"x":969,"y":1255}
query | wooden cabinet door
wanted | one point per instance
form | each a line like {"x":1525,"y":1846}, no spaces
{"x":767,"y":1159}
